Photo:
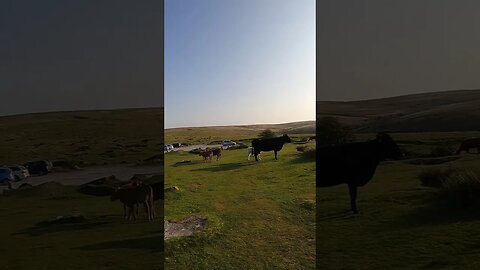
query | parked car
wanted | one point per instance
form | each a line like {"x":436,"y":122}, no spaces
{"x":228,"y":143}
{"x":6,"y":175}
{"x":19,"y":172}
{"x":40,"y":167}
{"x":167,"y":147}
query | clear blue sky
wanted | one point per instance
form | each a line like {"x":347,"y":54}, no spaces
{"x":239,"y":62}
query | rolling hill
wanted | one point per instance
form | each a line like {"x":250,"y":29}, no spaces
{"x":455,"y":110}
{"x":95,"y":137}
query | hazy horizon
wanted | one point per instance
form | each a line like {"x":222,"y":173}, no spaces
{"x":239,"y":62}
{"x":410,"y":93}
{"x":250,"y":124}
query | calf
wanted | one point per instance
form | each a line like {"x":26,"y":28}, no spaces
{"x":469,"y":144}
{"x":271,"y":144}
{"x":217,"y":152}
{"x":353,"y":164}
{"x":250,"y":152}
{"x":131,"y":197}
{"x":207,"y":155}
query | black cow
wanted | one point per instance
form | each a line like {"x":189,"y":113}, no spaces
{"x":353,"y":164}
{"x":271,"y":144}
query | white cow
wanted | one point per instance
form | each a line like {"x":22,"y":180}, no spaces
{"x":251,"y":153}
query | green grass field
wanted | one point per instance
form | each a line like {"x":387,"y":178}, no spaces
{"x":104,"y":241}
{"x":261,"y":215}
{"x":401,"y":225}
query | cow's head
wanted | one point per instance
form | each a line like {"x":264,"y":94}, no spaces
{"x":388,"y":147}
{"x":286,"y":139}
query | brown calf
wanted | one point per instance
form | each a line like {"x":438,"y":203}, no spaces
{"x":217,"y":152}
{"x":207,"y":155}
{"x":132,"y":197}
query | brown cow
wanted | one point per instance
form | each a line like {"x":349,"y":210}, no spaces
{"x":217,"y":152}
{"x":206,"y":154}
{"x":468,"y":144}
{"x":132,"y":197}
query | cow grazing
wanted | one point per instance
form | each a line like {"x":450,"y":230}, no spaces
{"x":469,"y":144}
{"x":270,"y":144}
{"x":206,"y":154}
{"x":132,"y":197}
{"x":217,"y":152}
{"x":353,"y":164}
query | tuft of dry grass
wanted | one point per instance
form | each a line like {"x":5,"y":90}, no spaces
{"x":456,"y":185}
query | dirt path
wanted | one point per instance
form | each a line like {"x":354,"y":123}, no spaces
{"x":191,"y":147}
{"x":85,"y":175}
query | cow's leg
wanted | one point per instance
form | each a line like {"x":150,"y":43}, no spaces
{"x":149,"y":211}
{"x":256,"y":155}
{"x":152,"y":208}
{"x":132,"y":209}
{"x":129,"y":212}
{"x":353,"y":197}
{"x":124,"y":211}
{"x":136,"y":208}
{"x":275,"y":151}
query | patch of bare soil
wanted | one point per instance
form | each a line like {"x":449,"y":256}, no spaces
{"x":185,"y":227}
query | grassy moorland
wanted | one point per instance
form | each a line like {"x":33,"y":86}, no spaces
{"x":204,"y":135}
{"x":93,"y":137}
{"x":260,"y":215}
{"x":402,"y":224}
{"x":103,"y":240}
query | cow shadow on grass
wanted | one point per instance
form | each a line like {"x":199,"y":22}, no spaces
{"x":153,"y":244}
{"x":43,"y":228}
{"x":223,"y":167}
{"x":186,"y":163}
{"x":303,"y":158}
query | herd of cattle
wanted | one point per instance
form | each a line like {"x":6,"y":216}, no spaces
{"x":353,"y":164}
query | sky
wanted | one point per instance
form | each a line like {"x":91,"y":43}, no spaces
{"x":230,"y":62}
{"x":380,"y":48}
{"x":61,"y":55}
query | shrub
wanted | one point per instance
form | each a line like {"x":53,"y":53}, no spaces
{"x":331,"y":132}
{"x":302,"y":148}
{"x":309,"y":153}
{"x":441,"y":151}
{"x":462,"y":186}
{"x":456,"y":185}
{"x":266,"y":134}
{"x":434,"y":177}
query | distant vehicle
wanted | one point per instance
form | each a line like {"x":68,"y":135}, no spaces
{"x":176,"y":145}
{"x":228,"y":143}
{"x":39,"y":167}
{"x":6,"y":175}
{"x":167,"y":147}
{"x":19,"y":172}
